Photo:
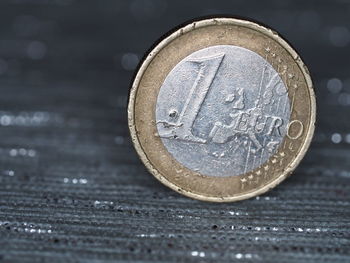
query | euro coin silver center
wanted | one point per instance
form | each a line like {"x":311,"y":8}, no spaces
{"x":222,"y":111}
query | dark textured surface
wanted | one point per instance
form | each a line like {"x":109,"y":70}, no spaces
{"x":71,"y":186}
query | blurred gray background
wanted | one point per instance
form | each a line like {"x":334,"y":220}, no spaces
{"x":71,"y":186}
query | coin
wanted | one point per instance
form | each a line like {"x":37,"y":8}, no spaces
{"x":222,"y":110}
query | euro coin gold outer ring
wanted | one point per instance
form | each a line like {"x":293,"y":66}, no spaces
{"x":156,"y":66}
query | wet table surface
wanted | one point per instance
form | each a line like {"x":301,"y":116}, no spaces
{"x":71,"y":186}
